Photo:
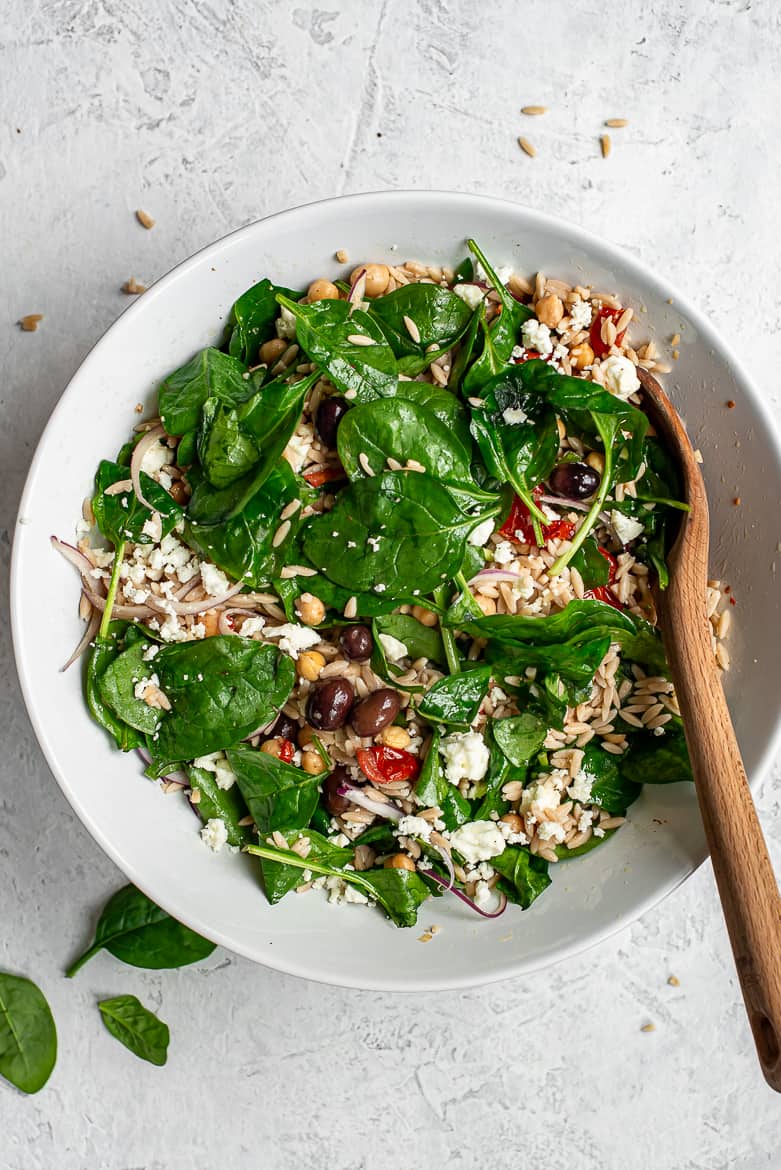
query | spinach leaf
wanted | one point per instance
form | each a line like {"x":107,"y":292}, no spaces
{"x":441,"y":403}
{"x":278,"y":795}
{"x":465,"y":273}
{"x":225,"y":451}
{"x":224,"y":804}
{"x":456,"y":809}
{"x":122,"y":517}
{"x":524,"y":876}
{"x":243,"y":546}
{"x":575,"y":662}
{"x":611,"y":788}
{"x":655,"y":759}
{"x":136,"y":1027}
{"x":466,"y":349}
{"x":501,"y":336}
{"x":431,"y":784}
{"x":579,"y":619}
{"x":646,"y":648}
{"x":210,"y":374}
{"x":28,"y":1036}
{"x":394,"y":428}
{"x":323,"y":331}
{"x":439,"y":315}
{"x":520,"y":737}
{"x":335,"y":597}
{"x":220,"y":690}
{"x":455,"y":700}
{"x":269,"y":419}
{"x":136,"y":931}
{"x":418,"y":535}
{"x":117,"y":688}
{"x":421,"y":641}
{"x":104,"y":651}
{"x":252,"y":319}
{"x":279,"y":879}
{"x":593,"y":567}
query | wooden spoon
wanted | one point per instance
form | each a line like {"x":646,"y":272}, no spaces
{"x":744,"y":876}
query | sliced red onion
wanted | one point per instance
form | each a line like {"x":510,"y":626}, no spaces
{"x":225,"y":626}
{"x":187,"y":587}
{"x":139,"y":451}
{"x":357,"y":288}
{"x":564,"y":502}
{"x":431,"y":873}
{"x":378,"y":807}
{"x":261,"y":730}
{"x":72,"y":555}
{"x":123,"y":612}
{"x":170,"y":605}
{"x":92,"y":628}
{"x":448,"y":862}
{"x":85,"y":567}
{"x":252,"y":600}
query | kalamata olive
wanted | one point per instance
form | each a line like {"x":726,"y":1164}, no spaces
{"x":375,"y":712}
{"x":285,"y":728}
{"x":330,"y":413}
{"x":574,"y":481}
{"x":333,"y":801}
{"x":329,"y":704}
{"x":357,"y":642}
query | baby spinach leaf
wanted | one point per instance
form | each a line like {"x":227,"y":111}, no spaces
{"x":501,"y":336}
{"x":466,"y":349}
{"x":104,"y":651}
{"x":210,"y":374}
{"x":224,"y":804}
{"x":252,"y":319}
{"x":136,"y":931}
{"x":117,"y":685}
{"x":456,"y":809}
{"x":421,"y":641}
{"x":28,"y":1036}
{"x":593,"y":567}
{"x":136,"y":1027}
{"x":394,"y":428}
{"x":123,"y":516}
{"x":187,"y":451}
{"x":455,"y":700}
{"x":220,"y":689}
{"x":524,"y":875}
{"x":520,"y":737}
{"x":662,"y":759}
{"x":431,"y":784}
{"x":611,"y":788}
{"x":439,"y":315}
{"x":465,"y":273}
{"x":578,"y":619}
{"x":441,"y":403}
{"x":646,"y":648}
{"x":335,"y":597}
{"x":243,"y":546}
{"x":574,"y":661}
{"x":417,"y":530}
{"x":323,"y":331}
{"x":269,"y":419}
{"x":279,"y":879}
{"x":278,"y":795}
{"x":225,"y":451}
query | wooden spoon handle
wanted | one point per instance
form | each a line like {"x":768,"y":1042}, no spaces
{"x":747,"y":884}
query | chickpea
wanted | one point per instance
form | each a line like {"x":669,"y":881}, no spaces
{"x":377,"y":279}
{"x":486,"y":604}
{"x":399,"y":861}
{"x":426,"y":617}
{"x":210,"y":622}
{"x":178,"y":491}
{"x":513,"y":821}
{"x":271,"y":350}
{"x":581,"y":355}
{"x":305,"y":736}
{"x":322,"y":290}
{"x":312,"y":763}
{"x":596,"y":460}
{"x":395,"y":737}
{"x":309,"y":664}
{"x":273,"y":747}
{"x":310,"y":609}
{"x":549,"y":310}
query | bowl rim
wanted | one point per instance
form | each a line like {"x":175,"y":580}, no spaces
{"x":587,"y":239}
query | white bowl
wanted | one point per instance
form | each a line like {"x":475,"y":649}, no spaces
{"x":153,"y":838}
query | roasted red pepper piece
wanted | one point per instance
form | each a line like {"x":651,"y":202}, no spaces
{"x":600,"y":348}
{"x":327,"y":475}
{"x":287,"y":751}
{"x":386,"y":765}
{"x":606,"y":594}
{"x":519,"y":520}
{"x":612,"y":564}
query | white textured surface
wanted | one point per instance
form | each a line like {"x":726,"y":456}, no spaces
{"x":210,"y":116}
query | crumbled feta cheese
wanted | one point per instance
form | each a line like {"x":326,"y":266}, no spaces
{"x":393,"y":647}
{"x":198,"y":630}
{"x":214,"y":834}
{"x":580,"y":788}
{"x":503,"y":273}
{"x":504,"y":553}
{"x":481,"y":873}
{"x":498,"y":695}
{"x":293,"y":638}
{"x":372,"y":541}
{"x":484,"y":896}
{"x":585,"y":819}
{"x":539,"y":797}
{"x":535,"y":335}
{"x":252,"y":625}
{"x":551,"y":831}
{"x":413,"y":827}
{"x":297,"y":449}
{"x":153,"y":527}
{"x":580,"y":314}
{"x":619,"y":376}
{"x":285,"y":324}
{"x":149,"y":654}
{"x":339,"y":839}
{"x":510,"y":837}
{"x":477,"y":841}
{"x":217,"y":763}
{"x":171,"y":631}
{"x":514,"y":416}
{"x":380,"y":588}
{"x":482,"y":534}
{"x":470,"y":294}
{"x":156,"y":458}
{"x":341,"y":891}
{"x":466,"y":756}
{"x":599,"y":832}
{"x":523,"y":588}
{"x":626,"y":528}
{"x":145,"y":684}
{"x":213,"y":579}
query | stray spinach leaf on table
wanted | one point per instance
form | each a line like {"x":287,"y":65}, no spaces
{"x":136,"y":931}
{"x":28,"y":1036}
{"x":122,"y":516}
{"x":136,"y":1027}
